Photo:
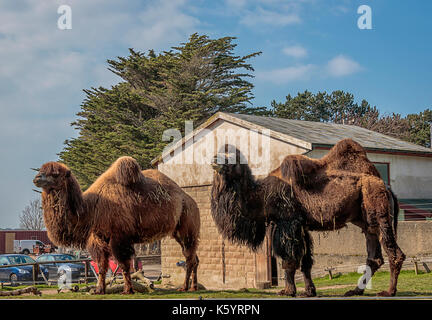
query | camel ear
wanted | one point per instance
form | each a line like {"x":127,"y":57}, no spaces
{"x":68,"y":174}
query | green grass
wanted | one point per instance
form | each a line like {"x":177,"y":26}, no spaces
{"x":409,"y":285}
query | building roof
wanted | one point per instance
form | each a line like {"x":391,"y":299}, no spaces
{"x":310,"y":134}
{"x":328,"y":134}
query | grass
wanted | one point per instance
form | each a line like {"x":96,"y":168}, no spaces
{"x":409,"y":285}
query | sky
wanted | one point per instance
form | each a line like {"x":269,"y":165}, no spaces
{"x":311,"y":45}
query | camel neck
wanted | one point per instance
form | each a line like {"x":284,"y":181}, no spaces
{"x":65,"y":218}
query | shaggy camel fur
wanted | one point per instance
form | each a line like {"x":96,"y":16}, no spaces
{"x":303,"y":195}
{"x":123,"y":206}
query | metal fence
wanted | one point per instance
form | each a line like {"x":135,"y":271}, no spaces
{"x":415,"y":210}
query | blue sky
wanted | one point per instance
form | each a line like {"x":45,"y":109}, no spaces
{"x":306,"y":44}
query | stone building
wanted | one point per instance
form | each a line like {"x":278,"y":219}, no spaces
{"x":265,"y":141}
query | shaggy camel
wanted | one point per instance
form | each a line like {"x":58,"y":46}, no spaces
{"x":122,"y":207}
{"x":303,"y":195}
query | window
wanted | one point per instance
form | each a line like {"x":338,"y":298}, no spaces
{"x":384,"y":171}
{"x":4,"y":261}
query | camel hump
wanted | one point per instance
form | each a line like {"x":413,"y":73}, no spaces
{"x":126,"y":170}
{"x":349,"y":146}
{"x":297,"y":167}
{"x":351,"y":156}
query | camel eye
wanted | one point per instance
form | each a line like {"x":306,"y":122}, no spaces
{"x":55,"y":175}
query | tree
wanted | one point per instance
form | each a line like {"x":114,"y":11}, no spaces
{"x":159,"y":91}
{"x":340,"y":107}
{"x":419,"y":127}
{"x":31,"y":217}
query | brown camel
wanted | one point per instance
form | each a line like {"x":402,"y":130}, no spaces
{"x":303,"y":195}
{"x":122,"y":207}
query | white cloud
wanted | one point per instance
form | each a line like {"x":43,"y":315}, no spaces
{"x":295,"y":51}
{"x":260,"y":17}
{"x":341,"y":66}
{"x":285,"y":75}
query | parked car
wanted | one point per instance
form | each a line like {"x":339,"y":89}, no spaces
{"x":56,"y":269}
{"x":18,"y":274}
{"x":29,"y":246}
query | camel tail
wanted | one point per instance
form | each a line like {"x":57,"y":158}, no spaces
{"x":126,"y":171}
{"x":395,"y":213}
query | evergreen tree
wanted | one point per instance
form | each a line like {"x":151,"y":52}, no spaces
{"x":160,"y":91}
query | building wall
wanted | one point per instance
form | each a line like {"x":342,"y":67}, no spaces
{"x":410,"y":177}
{"x":347,"y":247}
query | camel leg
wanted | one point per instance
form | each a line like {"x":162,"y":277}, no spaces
{"x":377,"y":207}
{"x":374,"y":260}
{"x":102,"y":262}
{"x":395,"y":255}
{"x":126,"y":266}
{"x":290,"y":287}
{"x":306,"y":267}
{"x":100,"y":252}
{"x":123,"y":251}
{"x":189,"y":247}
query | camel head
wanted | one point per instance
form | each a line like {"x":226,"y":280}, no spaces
{"x":52,"y":175}
{"x":230,"y":163}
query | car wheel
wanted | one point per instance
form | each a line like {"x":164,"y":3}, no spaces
{"x":13,"y":279}
{"x":26,"y":251}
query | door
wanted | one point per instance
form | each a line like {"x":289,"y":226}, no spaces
{"x":9,"y":242}
{"x":263,"y":274}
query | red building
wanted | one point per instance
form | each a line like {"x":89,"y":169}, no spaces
{"x":7,"y":238}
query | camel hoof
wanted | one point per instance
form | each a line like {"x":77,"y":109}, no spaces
{"x":286,"y":293}
{"x":99,"y":292}
{"x":127,"y":292}
{"x":309,"y":293}
{"x":182,"y":289}
{"x":385,"y":294}
{"x":193,"y":289}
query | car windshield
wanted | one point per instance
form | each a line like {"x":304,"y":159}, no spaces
{"x":20,"y":259}
{"x":63,"y":257}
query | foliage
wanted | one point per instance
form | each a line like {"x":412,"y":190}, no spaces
{"x":31,"y":217}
